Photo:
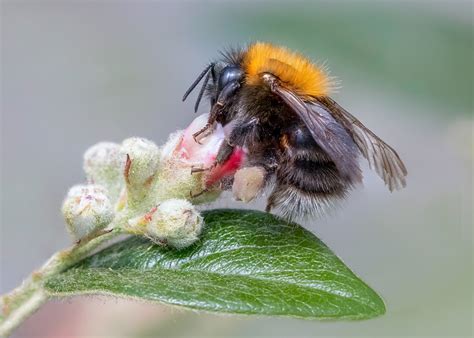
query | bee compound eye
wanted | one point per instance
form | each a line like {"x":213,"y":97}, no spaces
{"x":229,"y":74}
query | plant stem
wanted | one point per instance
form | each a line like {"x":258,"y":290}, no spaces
{"x":25,"y":306}
{"x":23,"y":301}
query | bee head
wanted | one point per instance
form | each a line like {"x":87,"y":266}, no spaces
{"x":229,"y":74}
{"x":224,"y":84}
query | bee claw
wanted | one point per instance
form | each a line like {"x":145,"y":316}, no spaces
{"x":195,"y":170}
{"x":191,"y":195}
{"x":195,"y":137}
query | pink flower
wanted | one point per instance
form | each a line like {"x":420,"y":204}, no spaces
{"x":202,"y":155}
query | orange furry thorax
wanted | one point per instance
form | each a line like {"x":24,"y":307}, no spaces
{"x":294,"y":70}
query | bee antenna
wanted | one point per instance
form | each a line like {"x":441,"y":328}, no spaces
{"x":198,"y":79}
{"x":203,"y":88}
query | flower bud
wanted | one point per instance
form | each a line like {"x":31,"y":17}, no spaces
{"x":205,"y":151}
{"x":144,"y":159}
{"x":87,"y":209}
{"x":174,"y":222}
{"x":142,"y":162}
{"x":104,"y":164}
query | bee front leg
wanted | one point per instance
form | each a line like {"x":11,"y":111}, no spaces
{"x":236,"y":138}
{"x":224,"y":152}
{"x":194,"y":195}
{"x":203,"y":132}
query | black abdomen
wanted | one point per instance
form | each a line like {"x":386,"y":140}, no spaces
{"x":307,"y":180}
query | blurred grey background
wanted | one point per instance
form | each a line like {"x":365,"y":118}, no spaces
{"x":77,"y":72}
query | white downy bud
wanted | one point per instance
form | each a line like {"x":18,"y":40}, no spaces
{"x":104,"y":164}
{"x":175,"y":177}
{"x":87,"y":209}
{"x":144,"y":157}
{"x":174,"y":222}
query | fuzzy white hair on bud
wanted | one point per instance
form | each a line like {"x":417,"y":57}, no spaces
{"x":142,"y":163}
{"x":169,"y":148}
{"x":104,"y":164}
{"x":175,"y":223}
{"x":131,"y":178}
{"x":143,"y":159}
{"x":87,"y":209}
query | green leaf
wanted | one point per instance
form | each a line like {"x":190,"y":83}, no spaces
{"x":247,"y":262}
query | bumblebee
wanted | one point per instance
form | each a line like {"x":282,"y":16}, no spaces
{"x":275,"y":104}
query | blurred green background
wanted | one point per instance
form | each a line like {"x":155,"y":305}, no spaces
{"x":77,"y":72}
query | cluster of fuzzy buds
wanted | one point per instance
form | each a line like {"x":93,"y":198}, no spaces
{"x":151,"y":191}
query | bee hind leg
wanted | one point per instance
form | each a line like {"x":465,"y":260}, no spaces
{"x":271,"y":202}
{"x":269,"y":207}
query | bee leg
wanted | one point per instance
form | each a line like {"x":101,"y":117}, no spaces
{"x":191,"y":195}
{"x":208,"y":128}
{"x":224,"y":152}
{"x":236,"y":138}
{"x":195,"y":169}
{"x":272,"y":200}
{"x":269,"y":206}
{"x":197,"y":136}
{"x":227,"y":92}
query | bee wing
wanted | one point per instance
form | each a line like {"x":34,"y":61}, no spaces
{"x":328,"y":133}
{"x":383,"y":158}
